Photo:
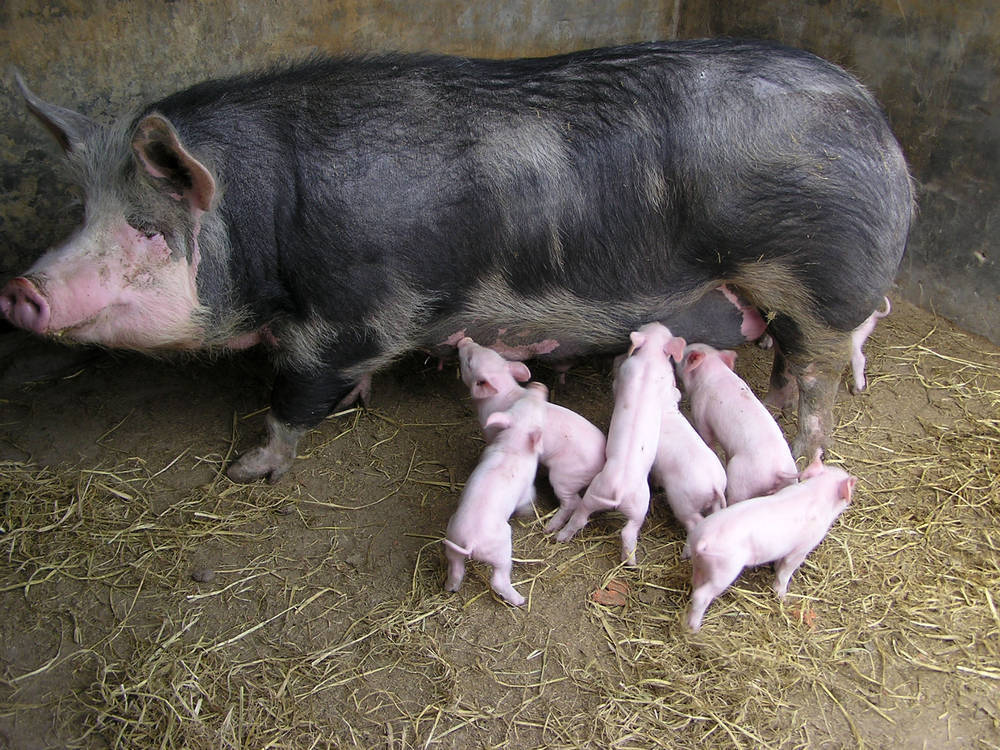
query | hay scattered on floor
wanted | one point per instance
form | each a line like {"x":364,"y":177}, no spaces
{"x":898,"y":610}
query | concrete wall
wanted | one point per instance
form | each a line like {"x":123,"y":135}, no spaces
{"x":933,"y":64}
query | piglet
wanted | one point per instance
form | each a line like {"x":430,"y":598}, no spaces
{"x":782,"y":528}
{"x":639,"y":388}
{"x":858,"y":337}
{"x":725,"y":411}
{"x":573,"y":447}
{"x":686,"y":468}
{"x":500,"y":485}
{"x":494,"y":382}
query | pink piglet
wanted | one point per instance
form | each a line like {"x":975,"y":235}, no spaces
{"x":782,"y":528}
{"x":500,"y":485}
{"x":690,"y":473}
{"x":724,"y":410}
{"x":574,"y":447}
{"x":639,"y":389}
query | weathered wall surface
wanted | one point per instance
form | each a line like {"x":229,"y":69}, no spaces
{"x":933,"y":64}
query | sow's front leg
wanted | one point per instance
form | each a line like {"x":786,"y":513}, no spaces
{"x":301,"y":398}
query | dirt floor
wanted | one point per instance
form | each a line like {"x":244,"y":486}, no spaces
{"x":148,"y":602}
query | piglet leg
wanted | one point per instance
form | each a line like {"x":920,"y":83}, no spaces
{"x":576,"y":522}
{"x":783,"y":570}
{"x":635,"y":511}
{"x":500,"y":581}
{"x":456,"y":565}
{"x":569,"y":501}
{"x":711,"y":576}
{"x":559,"y":519}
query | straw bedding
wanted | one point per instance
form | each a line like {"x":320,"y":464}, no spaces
{"x":150,"y":603}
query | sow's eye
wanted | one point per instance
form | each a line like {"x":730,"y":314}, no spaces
{"x":144,"y":227}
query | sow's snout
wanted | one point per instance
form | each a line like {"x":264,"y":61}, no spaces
{"x":24,"y":306}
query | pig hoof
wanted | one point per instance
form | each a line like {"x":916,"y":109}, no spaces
{"x":556,"y":522}
{"x":780,"y":400}
{"x":565,"y":535}
{"x":257,"y":464}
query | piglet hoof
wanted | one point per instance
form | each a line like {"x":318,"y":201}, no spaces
{"x":259,"y":463}
{"x":565,"y":534}
{"x":557,"y":521}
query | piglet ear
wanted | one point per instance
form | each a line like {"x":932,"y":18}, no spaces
{"x":675,"y":348}
{"x":814,"y":469}
{"x":69,"y":128}
{"x":483,"y":388}
{"x":847,"y":489}
{"x":158,"y":150}
{"x":519,"y":371}
{"x":728,"y":357}
{"x":499,"y":419}
{"x":637,"y":339}
{"x":692,"y":359}
{"x":535,"y":441}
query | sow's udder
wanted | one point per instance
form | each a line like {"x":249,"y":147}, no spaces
{"x":514,"y":345}
{"x":23,"y":305}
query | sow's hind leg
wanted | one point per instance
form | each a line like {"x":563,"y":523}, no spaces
{"x":815,"y":356}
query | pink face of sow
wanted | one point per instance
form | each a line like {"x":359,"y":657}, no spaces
{"x":113,"y":282}
{"x":782,"y":528}
{"x":111,"y":285}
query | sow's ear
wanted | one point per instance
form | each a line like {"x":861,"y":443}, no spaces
{"x":158,"y":149}
{"x":69,"y":128}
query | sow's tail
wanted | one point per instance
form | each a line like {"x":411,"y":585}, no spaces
{"x":460,"y":550}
